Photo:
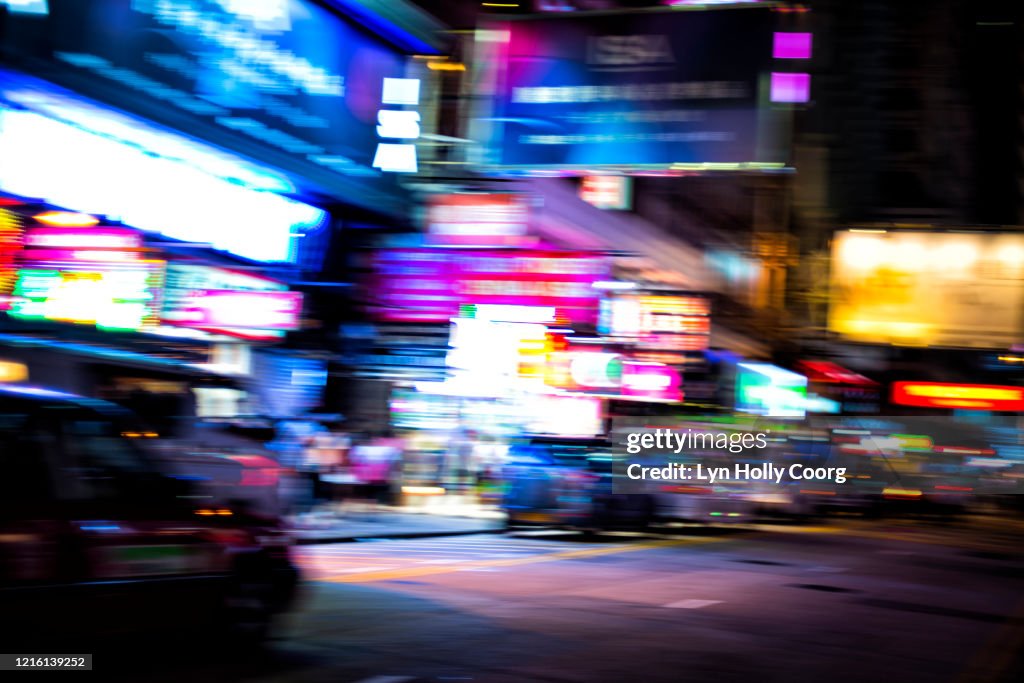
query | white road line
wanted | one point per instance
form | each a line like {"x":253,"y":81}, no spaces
{"x":692,"y":604}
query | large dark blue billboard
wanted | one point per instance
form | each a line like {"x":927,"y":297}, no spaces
{"x":648,"y":88}
{"x":284,"y":81}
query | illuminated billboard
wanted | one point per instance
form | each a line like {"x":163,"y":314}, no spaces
{"x":764,"y":389}
{"x":477,"y":220}
{"x":273,"y":78}
{"x":79,"y":156}
{"x":87,"y":275}
{"x":430,"y":285}
{"x":582,"y":370}
{"x":958,"y":289}
{"x":657,"y":321}
{"x":111,"y":296}
{"x":495,"y":351}
{"x":958,"y":396}
{"x":611,"y":192}
{"x":631,"y":89}
{"x":77,"y":244}
{"x":224,"y":301}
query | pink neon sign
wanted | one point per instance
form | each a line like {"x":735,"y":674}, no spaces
{"x":244,"y":310}
{"x":429,"y":285}
{"x":83,"y":238}
{"x":651,"y":380}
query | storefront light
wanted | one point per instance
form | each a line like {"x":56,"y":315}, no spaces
{"x":68,"y":166}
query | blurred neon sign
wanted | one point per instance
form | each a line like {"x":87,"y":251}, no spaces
{"x":677,"y":323}
{"x":292,"y":76}
{"x":132,"y":185}
{"x":250,"y":310}
{"x":109,"y":296}
{"x":246,"y":55}
{"x":84,"y":239}
{"x":958,"y":396}
{"x":607,"y":191}
{"x":765,"y":389}
{"x":477,"y":220}
{"x":430,"y":285}
{"x":10,"y":245}
{"x":645,"y":380}
{"x":398,"y":125}
{"x":229,"y":302}
{"x":831,"y":373}
{"x":612,"y":375}
{"x":631,"y":89}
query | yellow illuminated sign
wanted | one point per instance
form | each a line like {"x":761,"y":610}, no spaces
{"x":927,"y":288}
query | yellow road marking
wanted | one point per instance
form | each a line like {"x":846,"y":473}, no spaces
{"x":429,"y":570}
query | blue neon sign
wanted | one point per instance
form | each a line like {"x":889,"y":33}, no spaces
{"x":653,"y":89}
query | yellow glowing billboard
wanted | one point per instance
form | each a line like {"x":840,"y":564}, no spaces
{"x":962,"y":289}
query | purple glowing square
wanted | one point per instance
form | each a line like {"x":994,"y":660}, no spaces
{"x":788,"y":87}
{"x":791,"y":46}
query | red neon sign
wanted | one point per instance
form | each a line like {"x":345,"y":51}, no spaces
{"x":958,"y":396}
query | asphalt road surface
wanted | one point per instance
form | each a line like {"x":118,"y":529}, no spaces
{"x":846,"y":602}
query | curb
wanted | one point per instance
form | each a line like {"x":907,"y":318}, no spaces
{"x":395,"y":536}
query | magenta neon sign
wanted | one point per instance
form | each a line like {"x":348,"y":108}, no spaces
{"x":240,"y":310}
{"x":429,"y":285}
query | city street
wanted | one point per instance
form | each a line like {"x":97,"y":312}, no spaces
{"x":844,"y":602}
{"x":568,"y":341}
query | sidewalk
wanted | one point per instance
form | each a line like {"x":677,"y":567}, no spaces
{"x":443,"y":517}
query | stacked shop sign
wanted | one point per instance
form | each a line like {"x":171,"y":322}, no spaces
{"x":669,"y":328}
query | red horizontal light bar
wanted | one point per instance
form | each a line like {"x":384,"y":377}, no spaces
{"x":962,"y":396}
